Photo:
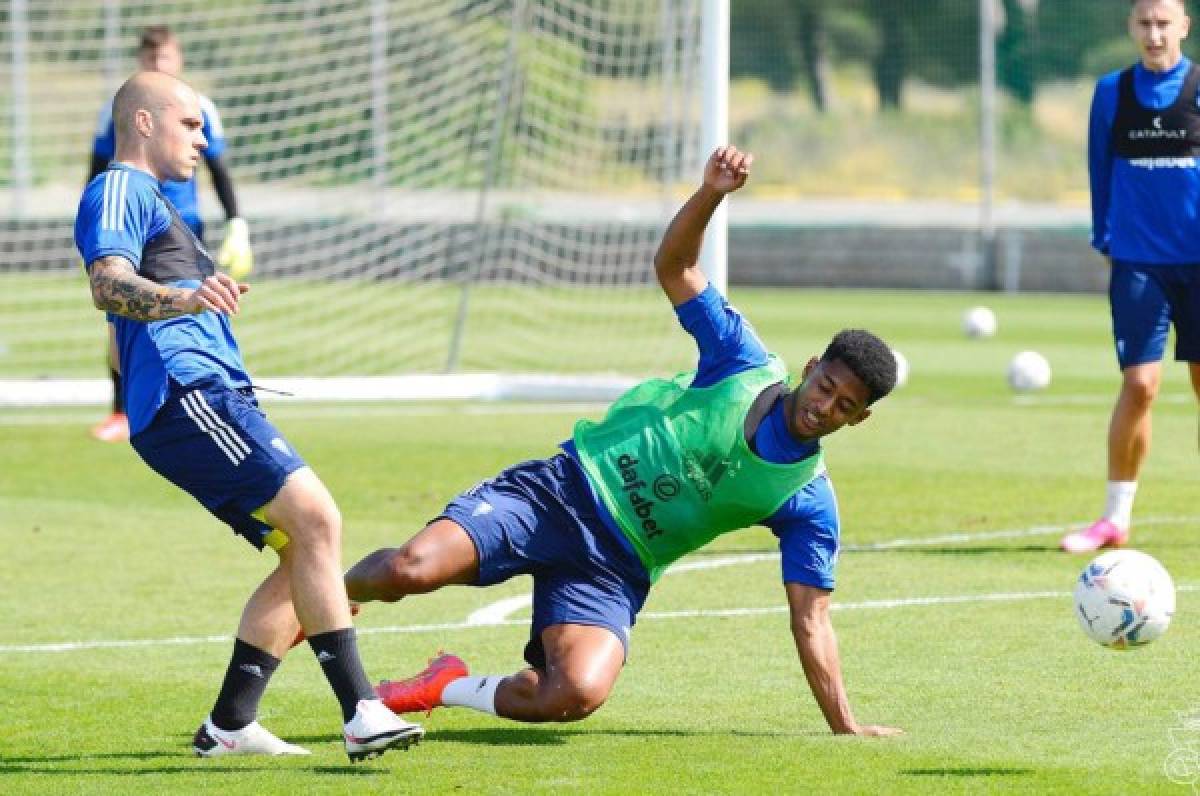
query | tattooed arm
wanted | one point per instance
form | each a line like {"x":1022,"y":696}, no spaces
{"x":117,"y":288}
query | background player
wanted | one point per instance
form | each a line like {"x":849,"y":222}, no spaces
{"x":1143,"y":142}
{"x":196,"y":422}
{"x":673,"y":465}
{"x":159,"y":50}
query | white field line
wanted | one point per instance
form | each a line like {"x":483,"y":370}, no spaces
{"x":1092,"y":400}
{"x":501,"y":610}
{"x":496,"y":614}
{"x":1013,"y":533}
{"x":904,"y":602}
{"x":333,"y":411}
{"x":87,"y":414}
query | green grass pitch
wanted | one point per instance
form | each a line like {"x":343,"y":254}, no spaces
{"x":971,"y":485}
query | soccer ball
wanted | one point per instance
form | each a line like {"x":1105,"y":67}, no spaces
{"x":1027,"y":371}
{"x":979,"y":322}
{"x":1124,"y":599}
{"x":901,"y":368}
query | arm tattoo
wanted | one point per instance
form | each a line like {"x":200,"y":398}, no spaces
{"x":117,"y":288}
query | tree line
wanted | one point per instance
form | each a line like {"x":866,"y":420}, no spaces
{"x":796,"y":44}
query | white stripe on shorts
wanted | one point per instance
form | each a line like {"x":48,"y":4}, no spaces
{"x":233,"y":446}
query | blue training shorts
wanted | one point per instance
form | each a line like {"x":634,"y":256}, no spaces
{"x":214,"y":443}
{"x":1145,"y":301}
{"x":538,"y":518}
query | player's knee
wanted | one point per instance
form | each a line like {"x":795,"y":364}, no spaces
{"x":409,"y":570}
{"x":1141,"y":391}
{"x":572,"y":701}
{"x":319,"y":529}
{"x":364,"y":580}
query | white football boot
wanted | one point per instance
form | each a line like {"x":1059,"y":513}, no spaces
{"x":253,"y":739}
{"x":374,"y":729}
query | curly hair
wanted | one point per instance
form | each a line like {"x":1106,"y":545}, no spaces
{"x":868,"y":357}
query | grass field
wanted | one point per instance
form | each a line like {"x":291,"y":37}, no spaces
{"x":952,"y":608}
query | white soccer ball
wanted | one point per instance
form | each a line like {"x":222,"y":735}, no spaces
{"x":1027,"y":371}
{"x":901,"y":368}
{"x":1124,"y":599}
{"x":979,"y":322}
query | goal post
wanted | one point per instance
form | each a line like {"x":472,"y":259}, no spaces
{"x":469,"y":190}
{"x":714,"y":257}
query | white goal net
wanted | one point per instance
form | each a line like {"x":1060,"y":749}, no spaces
{"x":432,"y":186}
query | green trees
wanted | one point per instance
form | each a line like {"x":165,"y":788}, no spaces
{"x":795,"y":43}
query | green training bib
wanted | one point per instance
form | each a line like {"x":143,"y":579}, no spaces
{"x":672,"y":465}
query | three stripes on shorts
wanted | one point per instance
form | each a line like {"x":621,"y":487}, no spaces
{"x":208,"y":421}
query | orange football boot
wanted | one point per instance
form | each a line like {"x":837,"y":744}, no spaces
{"x":423,"y":691}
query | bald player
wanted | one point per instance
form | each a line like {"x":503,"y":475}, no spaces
{"x":159,"y":50}
{"x":194,"y":419}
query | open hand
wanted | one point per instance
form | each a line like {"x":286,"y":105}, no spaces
{"x":727,"y":169}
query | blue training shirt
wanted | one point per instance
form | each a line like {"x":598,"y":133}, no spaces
{"x":807,"y":524}
{"x":1143,"y":210}
{"x":182,"y":194}
{"x":123,"y":213}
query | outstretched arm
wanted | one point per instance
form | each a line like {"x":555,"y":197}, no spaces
{"x":817,"y":645}
{"x":676,"y":262}
{"x":117,"y":288}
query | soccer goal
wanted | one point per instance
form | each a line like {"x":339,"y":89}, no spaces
{"x":446,"y":198}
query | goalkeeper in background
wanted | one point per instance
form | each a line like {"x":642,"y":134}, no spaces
{"x":674,"y":464}
{"x":159,"y":51}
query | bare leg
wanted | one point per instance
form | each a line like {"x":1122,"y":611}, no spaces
{"x":1129,"y":429}
{"x":439,"y":555}
{"x":306,"y":512}
{"x":582,"y":664}
{"x":269,"y":618}
{"x":1194,"y":372}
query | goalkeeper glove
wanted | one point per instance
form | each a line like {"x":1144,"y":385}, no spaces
{"x":235,"y":255}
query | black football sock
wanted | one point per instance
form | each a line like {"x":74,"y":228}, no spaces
{"x":337,"y":652}
{"x":246,"y":679}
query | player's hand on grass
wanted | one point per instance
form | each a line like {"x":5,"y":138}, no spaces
{"x":727,"y":169}
{"x":218,"y":293}
{"x":878,"y":731}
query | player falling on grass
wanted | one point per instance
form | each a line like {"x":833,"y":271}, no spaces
{"x":195,"y":421}
{"x":674,"y":464}
{"x":1143,"y":143}
{"x":159,"y":50}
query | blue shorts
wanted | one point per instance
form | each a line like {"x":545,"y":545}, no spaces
{"x":539,"y":518}
{"x":214,"y":443}
{"x":1146,"y":300}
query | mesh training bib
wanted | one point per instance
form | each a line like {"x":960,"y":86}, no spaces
{"x":672,"y":465}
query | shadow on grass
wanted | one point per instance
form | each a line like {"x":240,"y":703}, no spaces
{"x":550,"y":736}
{"x":485,"y":736}
{"x":547,"y":735}
{"x":52,"y":764}
{"x":8,"y":761}
{"x":967,"y":771}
